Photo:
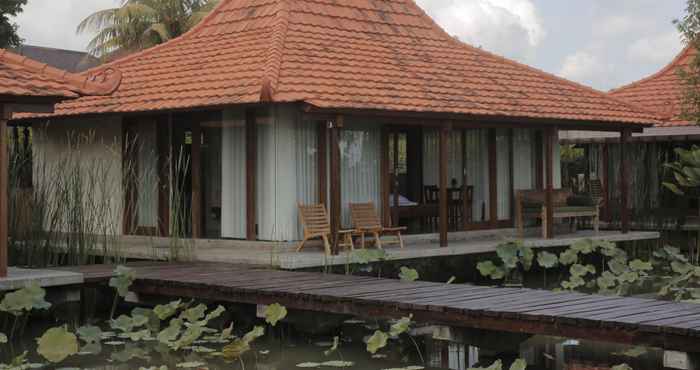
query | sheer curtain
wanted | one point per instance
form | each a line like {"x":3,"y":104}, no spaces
{"x":478,"y":171}
{"x":147,"y":166}
{"x":523,"y":159}
{"x":360,"y":154}
{"x":431,"y":157}
{"x":504,"y":186}
{"x":233,"y":187}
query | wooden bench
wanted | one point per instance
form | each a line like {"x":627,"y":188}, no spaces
{"x":531,"y":204}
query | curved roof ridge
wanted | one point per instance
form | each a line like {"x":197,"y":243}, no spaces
{"x":687,"y":51}
{"x":102,"y":81}
{"x":271,"y":69}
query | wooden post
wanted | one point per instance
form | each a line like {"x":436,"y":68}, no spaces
{"x":603,"y":176}
{"x":548,"y":222}
{"x":624,"y":182}
{"x":395,"y":181}
{"x":385,"y":178}
{"x":164,"y":158}
{"x":511,"y":174}
{"x":493,"y":179}
{"x":336,"y":206}
{"x":196,"y":170}
{"x":129,"y":171}
{"x":466,"y":210}
{"x":322,"y":146}
{"x":251,"y":170}
{"x":539,"y":161}
{"x":5,"y":116}
{"x":444,"y":132}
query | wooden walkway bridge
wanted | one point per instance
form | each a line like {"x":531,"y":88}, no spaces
{"x":669,"y":325}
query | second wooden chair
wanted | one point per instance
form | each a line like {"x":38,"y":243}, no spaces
{"x":365,"y":220}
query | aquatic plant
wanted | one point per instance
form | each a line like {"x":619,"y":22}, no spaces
{"x":514,"y":256}
{"x":274,"y":313}
{"x":518,"y":364}
{"x":408,"y":274}
{"x":21,"y":302}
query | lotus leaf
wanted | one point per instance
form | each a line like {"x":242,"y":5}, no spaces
{"x":188,"y":337}
{"x":190,"y":364}
{"x":334,"y":346}
{"x":584,"y":246}
{"x":275,"y":313}
{"x":377,"y":341}
{"x":575,"y":282}
{"x":621,"y":367}
{"x":527,"y":256}
{"x":606,"y":280}
{"x":580,"y":270}
{"x":164,"y":311}
{"x":130,"y":352}
{"x":451,"y":280}
{"x":337,"y":363}
{"x":408,"y":274}
{"x":617,"y":267}
{"x":568,"y":257}
{"x":628,"y":277}
{"x":123,"y":323}
{"x":24,"y":300}
{"x":241,"y":346}
{"x":518,"y":364}
{"x":226,"y":333}
{"x":56,"y":344}
{"x":681,"y":267}
{"x":90,"y":334}
{"x":365,"y":256}
{"x":3,"y":338}
{"x":139,"y":335}
{"x":401,"y":326}
{"x":489,"y":269}
{"x":170,"y":333}
{"x":547,"y":260}
{"x":194,"y":314}
{"x":508,"y":253}
{"x":639,"y":265}
{"x":122,"y":280}
{"x":93,"y":348}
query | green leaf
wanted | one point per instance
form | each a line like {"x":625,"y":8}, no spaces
{"x":164,"y":311}
{"x":527,"y":256}
{"x":24,"y":300}
{"x":334,"y":346}
{"x":486,"y":268}
{"x":56,"y":344}
{"x":606,"y":280}
{"x":3,"y":338}
{"x":451,"y":280}
{"x":568,"y":257}
{"x":518,"y":364}
{"x":621,"y":367}
{"x":194,"y":314}
{"x":617,"y":267}
{"x":400,"y":326}
{"x":508,"y":253}
{"x":365,"y":256}
{"x":584,"y":246}
{"x":274,"y":313}
{"x":639,"y":265}
{"x":123,"y":323}
{"x":573,"y":283}
{"x":681,"y":267}
{"x":241,"y":346}
{"x":169,"y":334}
{"x":547,"y":260}
{"x":90,"y":334}
{"x":628,"y":277}
{"x":122,"y":280}
{"x":408,"y":274}
{"x":377,"y":341}
{"x":226,"y":333}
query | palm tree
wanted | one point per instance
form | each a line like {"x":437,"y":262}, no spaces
{"x":140,"y":24}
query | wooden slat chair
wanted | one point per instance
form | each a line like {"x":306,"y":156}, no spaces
{"x":316,"y":223}
{"x":365,"y":220}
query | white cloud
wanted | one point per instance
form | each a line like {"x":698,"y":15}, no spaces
{"x":656,"y":49}
{"x":585,"y":67}
{"x":511,"y":28}
{"x":52,"y":23}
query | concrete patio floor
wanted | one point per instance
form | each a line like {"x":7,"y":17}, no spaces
{"x":18,"y":278}
{"x":282,"y":255}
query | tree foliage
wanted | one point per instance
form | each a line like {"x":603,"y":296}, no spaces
{"x":689,"y":27}
{"x":8,"y":29}
{"x":140,"y":24}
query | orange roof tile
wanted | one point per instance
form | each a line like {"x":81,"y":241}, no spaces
{"x":21,"y":77}
{"x":342,"y":54}
{"x":662,"y":92}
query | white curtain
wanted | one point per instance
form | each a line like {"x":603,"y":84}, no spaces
{"x":478,"y":171}
{"x":523,"y":159}
{"x":147,"y":166}
{"x":431,"y":158}
{"x":504,"y":186}
{"x":360,"y":154}
{"x":233,"y":159}
{"x":287,"y":172}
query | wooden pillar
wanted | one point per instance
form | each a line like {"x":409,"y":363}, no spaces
{"x":395,"y":181}
{"x":539,"y":160}
{"x":251,"y":170}
{"x":385,"y":178}
{"x":443,"y":158}
{"x":624,"y":182}
{"x":322,"y":146}
{"x":548,"y":223}
{"x":196,"y":158}
{"x":5,"y":115}
{"x":164,"y":158}
{"x":129,"y":171}
{"x":603,"y":176}
{"x":466,"y":202}
{"x":511,"y":174}
{"x":336,"y":205}
{"x":493,"y":179}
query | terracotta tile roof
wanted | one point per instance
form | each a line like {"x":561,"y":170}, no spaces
{"x":342,"y":54}
{"x":21,"y":77}
{"x":662,"y":92}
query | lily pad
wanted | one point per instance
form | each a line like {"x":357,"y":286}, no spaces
{"x":401,"y":326}
{"x":377,"y":341}
{"x":90,"y":334}
{"x":547,"y":260}
{"x":122,"y":280}
{"x":408,"y":274}
{"x":164,"y":311}
{"x":275,"y":313}
{"x":56,"y":344}
{"x":639,"y":265}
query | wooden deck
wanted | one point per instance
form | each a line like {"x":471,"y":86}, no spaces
{"x":669,"y":325}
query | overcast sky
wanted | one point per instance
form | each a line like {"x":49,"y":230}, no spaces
{"x":601,"y":43}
